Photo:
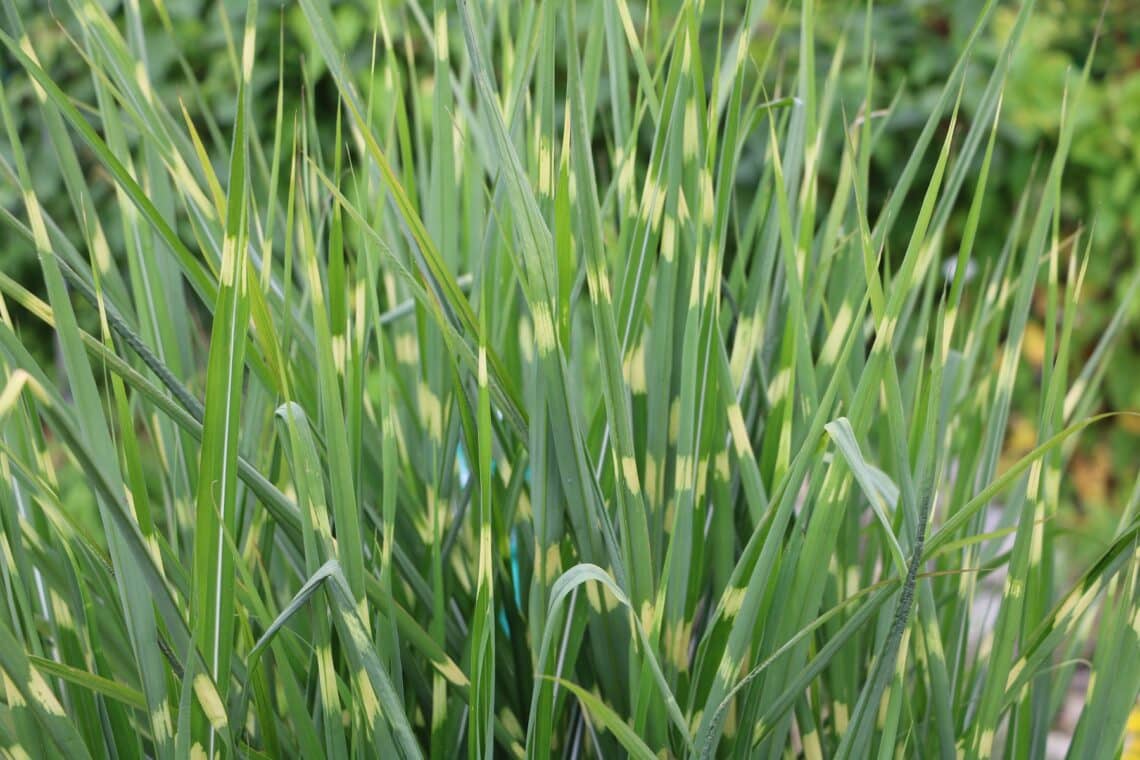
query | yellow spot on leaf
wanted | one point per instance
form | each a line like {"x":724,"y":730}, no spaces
{"x":629,"y":471}
{"x":634,"y":369}
{"x":732,"y":601}
{"x":407,"y":349}
{"x":211,"y":701}
{"x":689,"y":135}
{"x":368,"y":699}
{"x":451,"y":672}
{"x":723,"y":471}
{"x":553,"y":563}
{"x":646,"y":616}
{"x":544,"y":328}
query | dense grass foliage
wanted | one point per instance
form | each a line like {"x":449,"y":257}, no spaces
{"x":551,"y":409}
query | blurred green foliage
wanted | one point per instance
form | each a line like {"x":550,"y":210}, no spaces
{"x":195,"y":75}
{"x":913,"y":49}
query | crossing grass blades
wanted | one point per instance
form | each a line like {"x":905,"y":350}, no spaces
{"x":538,"y":400}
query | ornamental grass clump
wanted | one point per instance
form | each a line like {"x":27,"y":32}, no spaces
{"x":517,"y":388}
